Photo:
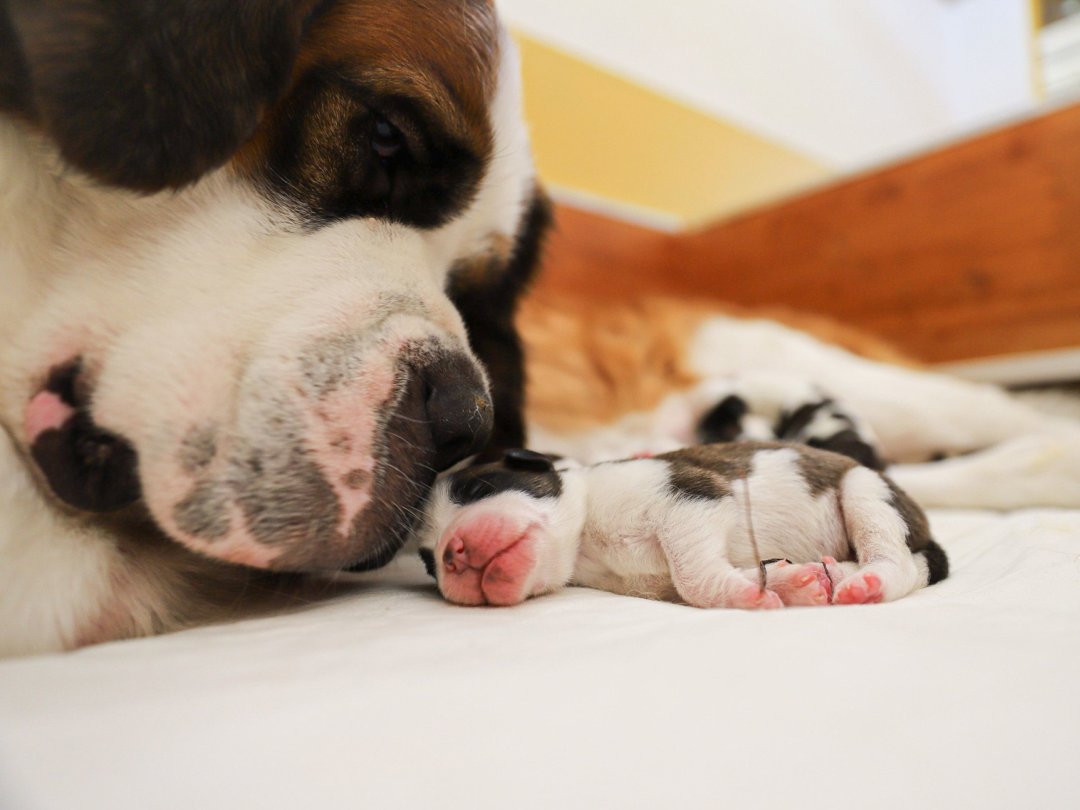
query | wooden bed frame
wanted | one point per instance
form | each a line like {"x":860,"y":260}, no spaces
{"x":970,"y":251}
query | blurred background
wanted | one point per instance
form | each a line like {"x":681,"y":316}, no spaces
{"x":907,"y":166}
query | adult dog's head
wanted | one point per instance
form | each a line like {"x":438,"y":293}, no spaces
{"x":259,"y":261}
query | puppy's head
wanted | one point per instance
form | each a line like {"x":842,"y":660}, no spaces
{"x":499,"y":533}
{"x":268,"y":358}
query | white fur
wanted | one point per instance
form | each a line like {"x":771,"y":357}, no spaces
{"x":914,"y":413}
{"x":53,"y":574}
{"x":878,"y":533}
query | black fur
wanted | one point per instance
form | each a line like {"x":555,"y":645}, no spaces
{"x":14,"y":76}
{"x":528,"y":460}
{"x":488,"y":304}
{"x":147,"y":94}
{"x":428,"y":556}
{"x":723,"y":423}
{"x":936,"y":561}
{"x":847,"y":441}
{"x":87,"y":467}
{"x":482,"y":481}
{"x":851,"y":444}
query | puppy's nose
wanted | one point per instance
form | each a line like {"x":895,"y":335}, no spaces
{"x":458,"y":408}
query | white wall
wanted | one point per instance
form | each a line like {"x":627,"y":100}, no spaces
{"x":849,"y":82}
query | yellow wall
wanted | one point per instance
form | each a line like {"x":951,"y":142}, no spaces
{"x":602,"y":135}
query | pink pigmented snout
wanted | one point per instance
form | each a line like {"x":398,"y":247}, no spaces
{"x":455,"y":560}
{"x":487,"y":560}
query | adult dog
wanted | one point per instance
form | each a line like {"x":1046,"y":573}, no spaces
{"x":259,"y":264}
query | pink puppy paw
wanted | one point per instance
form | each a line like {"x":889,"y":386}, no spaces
{"x":801,"y":585}
{"x":861,"y":589}
{"x":752,"y":597}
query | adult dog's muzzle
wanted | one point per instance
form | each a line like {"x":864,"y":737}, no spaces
{"x":317,"y":459}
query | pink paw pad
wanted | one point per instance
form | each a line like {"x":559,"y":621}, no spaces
{"x":860,"y":589}
{"x":801,"y":585}
{"x":752,"y":597}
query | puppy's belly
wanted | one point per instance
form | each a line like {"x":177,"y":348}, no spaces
{"x":633,"y":566}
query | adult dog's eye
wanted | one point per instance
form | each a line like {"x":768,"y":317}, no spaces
{"x":386,"y":139}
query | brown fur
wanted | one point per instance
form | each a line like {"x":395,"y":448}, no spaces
{"x":590,"y":363}
{"x":443,"y":53}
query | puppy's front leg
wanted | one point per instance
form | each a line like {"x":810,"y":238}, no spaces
{"x":701,"y":572}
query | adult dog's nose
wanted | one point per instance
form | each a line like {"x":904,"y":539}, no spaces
{"x":458,"y":408}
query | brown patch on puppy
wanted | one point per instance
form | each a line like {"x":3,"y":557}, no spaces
{"x":918,"y":527}
{"x":822,"y":470}
{"x":707,"y":470}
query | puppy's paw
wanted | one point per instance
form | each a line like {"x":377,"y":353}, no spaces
{"x":752,"y":597}
{"x":803,"y":584}
{"x":862,"y":588}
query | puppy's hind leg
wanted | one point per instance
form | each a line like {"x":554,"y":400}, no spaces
{"x":883,"y":528}
{"x":694,"y":543}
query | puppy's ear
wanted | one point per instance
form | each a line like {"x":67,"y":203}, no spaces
{"x":147,"y":94}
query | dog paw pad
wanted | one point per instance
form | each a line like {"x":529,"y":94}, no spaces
{"x":860,"y":589}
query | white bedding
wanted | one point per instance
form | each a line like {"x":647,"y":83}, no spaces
{"x":963,"y":695}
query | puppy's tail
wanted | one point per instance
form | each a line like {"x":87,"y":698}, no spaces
{"x":937,"y":563}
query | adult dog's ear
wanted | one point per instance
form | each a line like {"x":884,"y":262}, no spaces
{"x":147,"y":94}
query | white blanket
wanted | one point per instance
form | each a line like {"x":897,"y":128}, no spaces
{"x":964,"y":695}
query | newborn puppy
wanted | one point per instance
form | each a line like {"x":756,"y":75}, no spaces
{"x":742,"y":525}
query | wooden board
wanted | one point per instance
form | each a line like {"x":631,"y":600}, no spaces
{"x":967,"y":252}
